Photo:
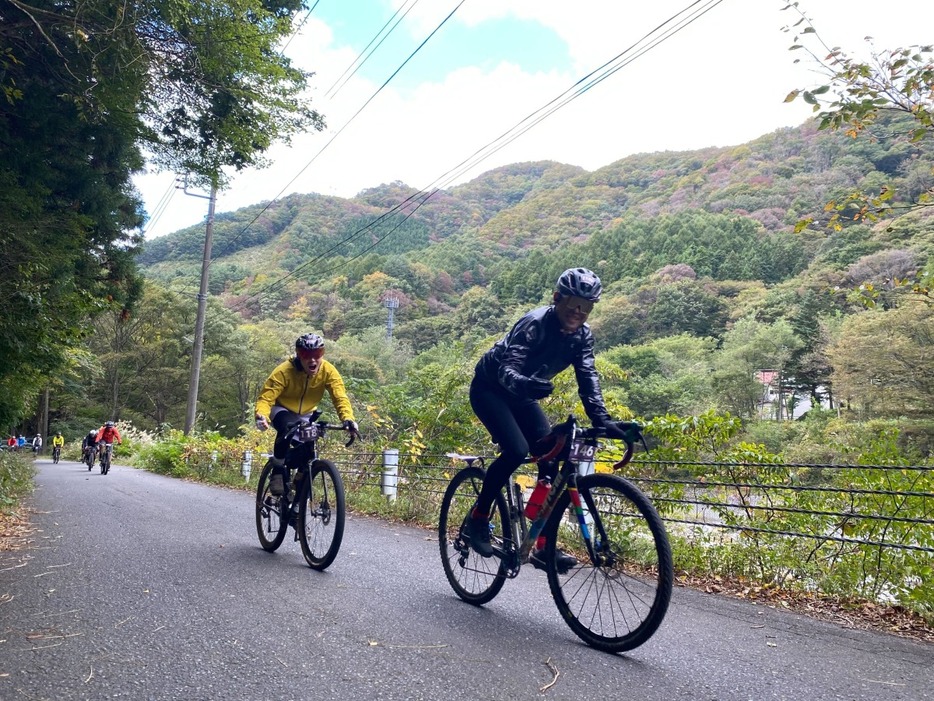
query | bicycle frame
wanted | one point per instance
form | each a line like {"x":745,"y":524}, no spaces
{"x":307,"y":433}
{"x":571,"y":449}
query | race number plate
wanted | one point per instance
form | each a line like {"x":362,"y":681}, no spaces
{"x":582,"y":452}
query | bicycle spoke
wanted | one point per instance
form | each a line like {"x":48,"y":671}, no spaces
{"x":270,"y":527}
{"x":617,"y":599}
{"x":322,"y":522}
{"x":474,"y":578}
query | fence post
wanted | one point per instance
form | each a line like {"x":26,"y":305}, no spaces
{"x":390,"y":478}
{"x":247,"y":466}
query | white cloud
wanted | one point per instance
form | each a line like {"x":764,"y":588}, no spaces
{"x":720,"y":81}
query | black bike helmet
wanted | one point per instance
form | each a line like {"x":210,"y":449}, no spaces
{"x":109,"y":424}
{"x":309,"y":342}
{"x":579,"y":282}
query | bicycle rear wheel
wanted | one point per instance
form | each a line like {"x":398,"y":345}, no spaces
{"x":271,"y":525}
{"x":615,"y":598}
{"x":321,"y":520}
{"x":474,"y":578}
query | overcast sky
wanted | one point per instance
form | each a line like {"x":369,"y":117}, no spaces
{"x":719,"y":81}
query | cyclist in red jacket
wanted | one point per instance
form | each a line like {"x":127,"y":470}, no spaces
{"x":108,"y":433}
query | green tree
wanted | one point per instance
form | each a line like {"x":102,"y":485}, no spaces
{"x":748,"y":347}
{"x":667,"y":376}
{"x":882,"y":361}
{"x":200,"y":86}
{"x":858,"y":95}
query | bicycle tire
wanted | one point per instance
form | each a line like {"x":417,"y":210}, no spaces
{"x":321,"y":519}
{"x":270,"y":526}
{"x":617,"y":602}
{"x":474,"y":578}
{"x":103,"y":463}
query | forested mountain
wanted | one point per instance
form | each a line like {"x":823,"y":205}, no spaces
{"x":707,"y":282}
{"x":773,"y":181}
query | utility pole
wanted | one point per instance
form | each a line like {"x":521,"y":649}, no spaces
{"x":391,"y":304}
{"x":198,"y":344}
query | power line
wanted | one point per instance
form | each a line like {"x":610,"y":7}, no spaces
{"x":299,"y":27}
{"x":679,"y":22}
{"x":160,"y":208}
{"x":338,"y":133}
{"x":368,"y":46}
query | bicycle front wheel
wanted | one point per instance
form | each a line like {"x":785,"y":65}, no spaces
{"x":616,"y":596}
{"x":271,"y":518}
{"x":474,"y":578}
{"x":321,"y":520}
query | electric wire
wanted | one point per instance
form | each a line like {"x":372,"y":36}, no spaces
{"x":299,"y":27}
{"x":360,"y":55}
{"x":338,"y":133}
{"x":602,"y":73}
{"x":159,"y":209}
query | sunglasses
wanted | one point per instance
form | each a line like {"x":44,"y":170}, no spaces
{"x":584,"y":306}
{"x":316,"y":353}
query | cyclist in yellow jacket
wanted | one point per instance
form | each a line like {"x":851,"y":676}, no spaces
{"x":292,"y":392}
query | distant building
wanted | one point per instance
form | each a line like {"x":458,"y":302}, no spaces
{"x":793,"y":405}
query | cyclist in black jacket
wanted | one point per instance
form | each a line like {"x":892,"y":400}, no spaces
{"x":515,"y":373}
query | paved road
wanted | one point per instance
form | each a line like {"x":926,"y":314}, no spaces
{"x":145,"y":587}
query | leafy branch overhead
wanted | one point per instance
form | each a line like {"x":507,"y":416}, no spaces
{"x":856,"y":93}
{"x":85,"y":90}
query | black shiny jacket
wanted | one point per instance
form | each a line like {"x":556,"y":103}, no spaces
{"x":536,"y":346}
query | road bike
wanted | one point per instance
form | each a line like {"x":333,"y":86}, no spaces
{"x":313,"y":503}
{"x":106,"y":452}
{"x":56,"y":454}
{"x":617,"y":594}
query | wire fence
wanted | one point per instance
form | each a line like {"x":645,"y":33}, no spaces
{"x":864,"y":531}
{"x":883,"y":506}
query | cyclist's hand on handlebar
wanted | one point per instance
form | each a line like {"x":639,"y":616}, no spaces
{"x":261,"y":422}
{"x":629,"y":431}
{"x":535,"y":388}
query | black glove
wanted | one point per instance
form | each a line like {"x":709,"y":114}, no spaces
{"x":351,"y":426}
{"x":534,"y":388}
{"x":629,"y":431}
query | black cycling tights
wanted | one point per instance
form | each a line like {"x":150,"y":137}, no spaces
{"x":280,"y":421}
{"x":513,"y":423}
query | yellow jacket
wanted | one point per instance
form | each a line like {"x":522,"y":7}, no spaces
{"x":292,"y":388}
{"x":58,"y":441}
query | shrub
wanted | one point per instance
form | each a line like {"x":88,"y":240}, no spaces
{"x":16,"y":473}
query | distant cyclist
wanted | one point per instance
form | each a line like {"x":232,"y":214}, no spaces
{"x":58,"y":442}
{"x":515,"y":373}
{"x":292,"y":392}
{"x":88,"y":443}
